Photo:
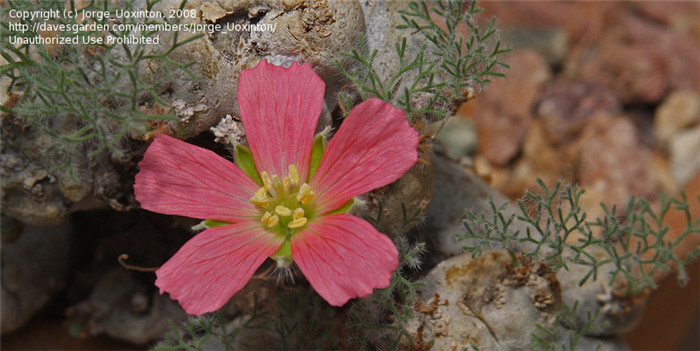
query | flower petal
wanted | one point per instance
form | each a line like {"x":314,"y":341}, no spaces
{"x":178,"y":178}
{"x":344,"y":257}
{"x":214,"y":265}
{"x":373,"y":147}
{"x":280,"y":108}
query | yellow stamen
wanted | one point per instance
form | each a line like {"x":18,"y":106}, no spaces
{"x":270,"y":219}
{"x":294,"y":174}
{"x":297,"y":223}
{"x":278,"y":185}
{"x":260,"y":202}
{"x":305,"y":194}
{"x":261,"y":192}
{"x":298,"y":213}
{"x":260,"y":198}
{"x":283,"y":211}
{"x":266,"y":180}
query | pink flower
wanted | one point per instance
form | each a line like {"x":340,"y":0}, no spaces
{"x":277,"y":210}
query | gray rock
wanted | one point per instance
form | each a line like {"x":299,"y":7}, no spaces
{"x":685,"y":155}
{"x":34,"y":269}
{"x":456,"y":188}
{"x":459,"y":137}
{"x":680,"y":110}
{"x":122,"y":307}
{"x":487,"y":303}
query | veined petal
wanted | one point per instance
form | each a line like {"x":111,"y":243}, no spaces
{"x":343,"y":257}
{"x":373,"y":147}
{"x":178,"y":178}
{"x":280,"y":108}
{"x":214,"y":265}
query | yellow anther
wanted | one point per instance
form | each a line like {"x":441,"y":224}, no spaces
{"x":260,"y":198}
{"x":262,"y":191}
{"x":270,"y":219}
{"x":260,"y":202}
{"x":274,"y":220}
{"x":297,"y":223}
{"x":305,"y":194}
{"x":298,"y":213}
{"x":294,"y":174}
{"x":266,"y":180}
{"x":278,"y":185}
{"x":286,"y":182}
{"x":283,"y":211}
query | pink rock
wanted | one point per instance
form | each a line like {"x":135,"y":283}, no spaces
{"x":566,"y":106}
{"x":613,"y":161}
{"x":502,"y":114}
{"x":639,"y":60}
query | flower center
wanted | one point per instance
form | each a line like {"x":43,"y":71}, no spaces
{"x":285,"y":206}
{"x":284,"y":203}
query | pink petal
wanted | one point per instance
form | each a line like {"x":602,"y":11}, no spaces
{"x":214,"y":265}
{"x":280,"y":108}
{"x":344,"y":257}
{"x":178,"y":178}
{"x":373,"y":147}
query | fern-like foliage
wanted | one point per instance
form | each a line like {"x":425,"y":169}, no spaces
{"x":86,"y":96}
{"x":556,"y":230}
{"x":435,"y":79}
{"x":468,"y":62}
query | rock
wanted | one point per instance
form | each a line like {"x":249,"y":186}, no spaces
{"x":124,"y":308}
{"x":613,"y":161}
{"x":620,"y":45}
{"x":444,"y":321}
{"x":635,"y":73}
{"x":661,"y":170}
{"x":382,"y":35}
{"x":34,"y":269}
{"x":552,"y":43}
{"x":566,"y":106}
{"x":682,"y":16}
{"x":632,"y":59}
{"x":484,"y":302}
{"x":107,"y":299}
{"x":685,"y":155}
{"x":579,"y":19}
{"x":42,"y":194}
{"x":680,"y":110}
{"x":456,"y":188}
{"x":502,"y":114}
{"x":459,"y":137}
{"x":541,"y":159}
{"x":616,"y":312}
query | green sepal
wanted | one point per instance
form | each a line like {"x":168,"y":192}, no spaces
{"x":345,"y":208}
{"x":283,"y":253}
{"x":209,"y":223}
{"x":213,"y":223}
{"x":317,"y":150}
{"x":245,"y":161}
